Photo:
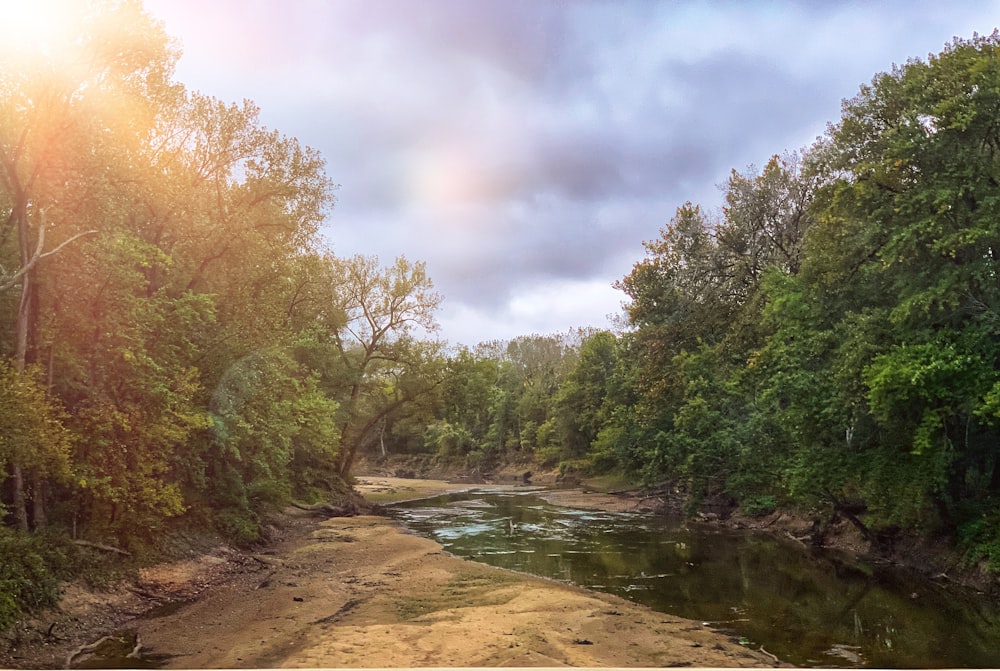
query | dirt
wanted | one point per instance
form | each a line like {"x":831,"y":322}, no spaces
{"x":361,"y":592}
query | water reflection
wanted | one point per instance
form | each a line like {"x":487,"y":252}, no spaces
{"x":808,"y":608}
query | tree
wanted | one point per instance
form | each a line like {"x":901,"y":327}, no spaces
{"x":580,"y":410}
{"x":906,"y":250}
{"x":63,"y":109}
{"x":33,"y":435}
{"x":138,"y":221}
{"x":680,"y":287}
{"x":381,"y":361}
{"x":273,"y":432}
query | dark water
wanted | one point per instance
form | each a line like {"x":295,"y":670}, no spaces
{"x":809,"y":608}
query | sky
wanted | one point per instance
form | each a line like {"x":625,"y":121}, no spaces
{"x":525,"y":149}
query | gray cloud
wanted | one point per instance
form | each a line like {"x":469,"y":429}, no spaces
{"x":521,"y":145}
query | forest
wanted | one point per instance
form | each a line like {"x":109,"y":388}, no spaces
{"x":182,"y":350}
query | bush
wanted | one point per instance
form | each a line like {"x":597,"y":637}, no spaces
{"x":239,"y":526}
{"x":980,"y":536}
{"x":759,"y":505}
{"x":29,"y":573}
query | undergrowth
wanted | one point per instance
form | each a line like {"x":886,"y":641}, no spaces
{"x":981,"y":538}
{"x":33,"y":566}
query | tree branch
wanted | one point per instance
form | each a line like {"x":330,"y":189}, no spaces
{"x":38,"y":256}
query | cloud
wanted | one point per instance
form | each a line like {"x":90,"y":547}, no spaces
{"x":551,"y":307}
{"x":525,"y":150}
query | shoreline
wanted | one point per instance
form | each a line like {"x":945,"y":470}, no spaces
{"x":362,"y":592}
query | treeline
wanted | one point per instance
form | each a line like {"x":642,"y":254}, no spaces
{"x":178,"y":347}
{"x":828,"y":340}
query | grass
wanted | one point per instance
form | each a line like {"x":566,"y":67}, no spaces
{"x":610,"y":482}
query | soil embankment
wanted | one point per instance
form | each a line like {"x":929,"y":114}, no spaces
{"x":359,"y":592}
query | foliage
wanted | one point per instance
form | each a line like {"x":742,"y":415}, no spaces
{"x":759,"y":505}
{"x":30,"y":573}
{"x":580,"y":408}
{"x":385,"y":367}
{"x":272,"y":432}
{"x":162,"y":285}
{"x":238,"y":525}
{"x":981,"y":536}
{"x":34,"y":433}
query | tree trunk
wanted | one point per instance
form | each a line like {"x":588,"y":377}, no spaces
{"x":20,"y":509}
{"x":38,"y":517}
{"x":25,"y":305}
{"x":348,"y":449}
{"x":24,"y":310}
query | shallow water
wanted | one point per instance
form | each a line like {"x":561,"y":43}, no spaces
{"x":807,"y":607}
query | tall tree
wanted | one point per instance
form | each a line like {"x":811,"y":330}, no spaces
{"x":65,"y":105}
{"x":905,"y":255}
{"x":580,"y":410}
{"x":382,"y":309}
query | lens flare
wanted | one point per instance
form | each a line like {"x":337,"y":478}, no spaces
{"x":31,"y":28}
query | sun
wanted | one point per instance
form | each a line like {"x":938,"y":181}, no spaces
{"x":31,"y":28}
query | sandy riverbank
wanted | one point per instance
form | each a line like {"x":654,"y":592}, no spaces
{"x":384,"y":490}
{"x":360,"y":592}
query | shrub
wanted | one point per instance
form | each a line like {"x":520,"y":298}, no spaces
{"x":759,"y":505}
{"x":980,"y":536}
{"x":239,"y":526}
{"x":29,"y":573}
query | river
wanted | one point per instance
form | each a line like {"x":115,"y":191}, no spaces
{"x":808,"y":607}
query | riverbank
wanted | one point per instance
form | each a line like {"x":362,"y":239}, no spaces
{"x":360,"y":592}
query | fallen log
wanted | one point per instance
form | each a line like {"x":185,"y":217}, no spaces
{"x":109,"y":647}
{"x":328,"y":509}
{"x":102,"y":547}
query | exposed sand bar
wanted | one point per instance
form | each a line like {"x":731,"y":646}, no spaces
{"x":360,"y":592}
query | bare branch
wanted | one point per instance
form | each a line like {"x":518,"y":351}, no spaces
{"x":66,"y":242}
{"x":39,"y":255}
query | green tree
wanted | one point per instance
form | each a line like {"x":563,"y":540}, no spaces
{"x":33,"y":435}
{"x":580,"y":409}
{"x":273,"y":436}
{"x":696,"y":302}
{"x":884,"y":347}
{"x":152,"y":239}
{"x":66,"y":112}
{"x":381,"y":361}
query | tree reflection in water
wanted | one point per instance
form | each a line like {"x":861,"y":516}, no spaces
{"x":808,"y":607}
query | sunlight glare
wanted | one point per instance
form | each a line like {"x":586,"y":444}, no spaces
{"x":31,"y":28}
{"x":444,"y":176}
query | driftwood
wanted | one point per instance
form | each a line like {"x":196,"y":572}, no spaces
{"x":625,"y":492}
{"x":327,"y":509}
{"x":146,"y":594}
{"x":136,"y":647}
{"x":771,"y":655}
{"x":102,"y":547}
{"x":84,"y":649}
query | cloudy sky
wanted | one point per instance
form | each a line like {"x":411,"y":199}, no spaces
{"x":526,"y":148}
